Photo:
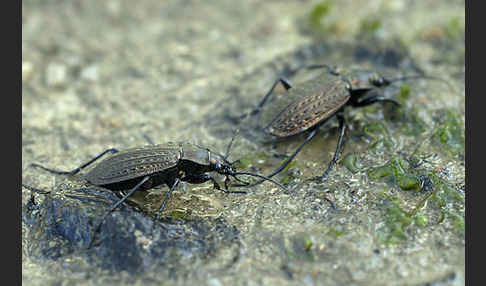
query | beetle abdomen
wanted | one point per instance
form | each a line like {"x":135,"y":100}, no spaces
{"x":134,"y":163}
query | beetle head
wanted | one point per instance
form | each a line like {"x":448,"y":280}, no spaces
{"x":219,"y":164}
{"x":378,"y":80}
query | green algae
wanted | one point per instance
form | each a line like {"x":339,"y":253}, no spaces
{"x":446,"y":202}
{"x":404,"y":92}
{"x":369,"y":26}
{"x":334,"y":231}
{"x":383,"y":141}
{"x":352,"y":163}
{"x":288,"y":176}
{"x":398,"y":170}
{"x":382,"y":144}
{"x":408,"y":120}
{"x":181,"y":214}
{"x":299,"y":247}
{"x":380,"y":172}
{"x":420,"y":221}
{"x":376,"y":130}
{"x":408,"y":182}
{"x":307,"y":243}
{"x":450,"y":203}
{"x":319,"y":12}
{"x":454,"y":28}
{"x":449,"y":135}
{"x":413,"y":124}
{"x":319,"y":21}
{"x":396,"y":220}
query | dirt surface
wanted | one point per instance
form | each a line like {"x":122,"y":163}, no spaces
{"x":104,"y":74}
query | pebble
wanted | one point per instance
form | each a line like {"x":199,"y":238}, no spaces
{"x":90,"y":73}
{"x":56,"y":75}
{"x":27,"y":69}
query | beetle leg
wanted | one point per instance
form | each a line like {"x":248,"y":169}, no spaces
{"x":228,"y":148}
{"x":148,"y":139}
{"x":114,"y":206}
{"x":373,"y":99}
{"x":72,"y":172}
{"x":225,"y":190}
{"x":285,"y":82}
{"x":197,"y":179}
{"x":342,"y":127}
{"x":32,"y":189}
{"x":286,"y":162}
{"x":289,"y":159}
{"x":166,"y":199}
{"x":335,"y":70}
{"x":206,"y":177}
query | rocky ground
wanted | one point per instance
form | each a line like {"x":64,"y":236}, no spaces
{"x":103,"y":74}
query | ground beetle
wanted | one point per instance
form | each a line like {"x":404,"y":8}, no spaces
{"x":309,"y":105}
{"x":147,"y":167}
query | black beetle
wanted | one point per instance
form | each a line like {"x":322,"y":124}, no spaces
{"x":306,"y":107}
{"x":147,"y":167}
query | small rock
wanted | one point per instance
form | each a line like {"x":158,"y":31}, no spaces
{"x":214,"y":282}
{"x":27,"y":69}
{"x":56,"y":75}
{"x":90,"y":73}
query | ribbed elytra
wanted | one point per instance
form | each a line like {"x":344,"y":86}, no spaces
{"x":312,"y":103}
{"x":134,"y":163}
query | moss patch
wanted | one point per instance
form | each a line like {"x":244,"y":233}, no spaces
{"x":369,"y":26}
{"x":398,"y":170}
{"x":383,"y":141}
{"x":352,"y":163}
{"x":449,"y":135}
{"x":319,"y":20}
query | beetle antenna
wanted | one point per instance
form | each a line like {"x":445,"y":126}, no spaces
{"x":259,"y":176}
{"x":334,"y":70}
{"x":228,"y":149}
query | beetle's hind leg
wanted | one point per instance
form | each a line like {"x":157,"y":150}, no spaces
{"x":75,"y":171}
{"x":282,"y":80}
{"x":342,"y":127}
{"x":167,"y":196}
{"x":114,"y":206}
{"x":35,"y":190}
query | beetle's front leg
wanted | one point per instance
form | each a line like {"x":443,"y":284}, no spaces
{"x":199,"y":179}
{"x":196,"y":179}
{"x":202,"y":178}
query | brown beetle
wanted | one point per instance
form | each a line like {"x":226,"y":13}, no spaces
{"x":143,"y":168}
{"x":306,"y":107}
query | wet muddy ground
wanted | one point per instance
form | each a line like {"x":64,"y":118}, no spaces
{"x":103,"y":74}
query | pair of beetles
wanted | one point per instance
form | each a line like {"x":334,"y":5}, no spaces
{"x":301,"y":109}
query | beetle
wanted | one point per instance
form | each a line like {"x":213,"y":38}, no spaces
{"x":143,"y":168}
{"x":311,"y":104}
